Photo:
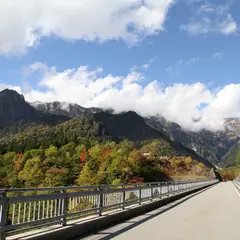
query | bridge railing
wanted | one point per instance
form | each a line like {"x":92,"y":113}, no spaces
{"x":237,"y":182}
{"x":25,"y":209}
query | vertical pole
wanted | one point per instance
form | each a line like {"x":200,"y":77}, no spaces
{"x":65,"y":207}
{"x":140,"y":195}
{"x":151,"y":192}
{"x":100,"y":201}
{"x":4,"y":214}
{"x":123,"y":197}
{"x":160,"y":188}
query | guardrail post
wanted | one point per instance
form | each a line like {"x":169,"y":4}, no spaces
{"x":151,"y":188}
{"x":4,"y":214}
{"x":100,"y":201}
{"x":123,"y":197}
{"x":140,"y":195}
{"x":65,"y":207}
{"x":160,"y":190}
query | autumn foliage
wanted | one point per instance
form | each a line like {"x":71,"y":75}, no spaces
{"x":91,"y":162}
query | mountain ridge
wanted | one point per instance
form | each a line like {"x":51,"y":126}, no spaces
{"x":210,"y":145}
{"x":14,"y":108}
{"x":204,"y":144}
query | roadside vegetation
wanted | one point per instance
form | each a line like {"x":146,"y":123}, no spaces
{"x":231,"y":173}
{"x":89,"y":161}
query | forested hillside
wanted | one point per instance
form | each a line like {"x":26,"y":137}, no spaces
{"x":42,"y":136}
{"x":213,"y":146}
{"x":232,"y":158}
{"x":210,"y":145}
{"x":92,"y":162}
{"x":44,"y":149}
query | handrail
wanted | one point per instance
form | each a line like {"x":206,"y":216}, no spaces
{"x":20,"y":212}
{"x":237,"y":182}
{"x":85,"y":186}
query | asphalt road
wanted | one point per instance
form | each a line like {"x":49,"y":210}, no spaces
{"x":213,"y":214}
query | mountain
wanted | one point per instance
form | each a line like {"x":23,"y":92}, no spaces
{"x":15,"y":111}
{"x":232,"y":158}
{"x":98,"y":127}
{"x":213,"y":146}
{"x":18,"y":116}
{"x":65,"y":109}
{"x":207,"y":144}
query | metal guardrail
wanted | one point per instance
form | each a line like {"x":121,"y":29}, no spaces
{"x":25,"y":209}
{"x":237,"y":182}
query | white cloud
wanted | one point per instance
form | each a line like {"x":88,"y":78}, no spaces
{"x":24,"y":23}
{"x":148,"y":64}
{"x":205,"y":8}
{"x":190,"y":2}
{"x":211,"y":18}
{"x":180,"y":103}
{"x":180,"y":62}
{"x":206,"y":25}
{"x":192,"y":60}
{"x":4,"y":86}
{"x":219,"y":55}
{"x":176,"y":68}
{"x":216,"y":9}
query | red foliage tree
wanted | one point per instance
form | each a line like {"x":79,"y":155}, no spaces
{"x":136,"y":180}
{"x":18,"y":162}
{"x":82,"y":156}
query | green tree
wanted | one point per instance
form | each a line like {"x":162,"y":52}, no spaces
{"x":32,"y":173}
{"x":51,"y":154}
{"x":56,"y":177}
{"x":86,"y":177}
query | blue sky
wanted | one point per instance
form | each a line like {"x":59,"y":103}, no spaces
{"x":195,"y":43}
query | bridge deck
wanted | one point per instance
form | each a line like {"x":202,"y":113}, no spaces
{"x":212,"y":214}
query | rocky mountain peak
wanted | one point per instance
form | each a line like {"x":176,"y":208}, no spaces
{"x":8,"y":95}
{"x":14,"y":108}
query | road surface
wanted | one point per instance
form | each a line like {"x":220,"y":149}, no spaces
{"x":213,"y":214}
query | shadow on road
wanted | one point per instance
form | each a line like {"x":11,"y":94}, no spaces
{"x":143,"y":218}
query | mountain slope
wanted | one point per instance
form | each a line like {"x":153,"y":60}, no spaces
{"x":98,"y":127}
{"x":232,"y":158}
{"x":15,"y":111}
{"x":65,"y":109}
{"x":210,"y":145}
{"x":39,"y":135}
{"x":33,"y":125}
{"x":133,"y":127}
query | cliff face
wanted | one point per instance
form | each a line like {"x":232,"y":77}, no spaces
{"x":14,"y":109}
{"x":62,"y":108}
{"x":214,"y":146}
